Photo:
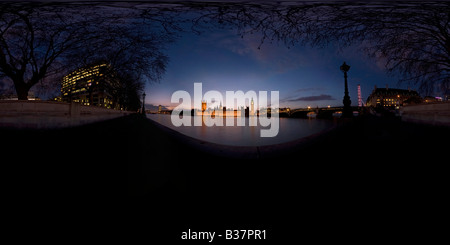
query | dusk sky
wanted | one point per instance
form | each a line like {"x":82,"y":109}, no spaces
{"x":304,"y":76}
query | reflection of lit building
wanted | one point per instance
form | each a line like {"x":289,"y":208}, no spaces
{"x":391,"y":97}
{"x":203,"y":105}
{"x":220,"y":113}
{"x":89,"y":86}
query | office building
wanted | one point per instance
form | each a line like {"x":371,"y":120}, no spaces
{"x":391,"y":98}
{"x":91,"y":85}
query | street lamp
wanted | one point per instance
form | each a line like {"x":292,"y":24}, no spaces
{"x":143,"y":103}
{"x":347,"y":111}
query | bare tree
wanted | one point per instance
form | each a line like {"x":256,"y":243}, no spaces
{"x":411,"y":37}
{"x":39,"y":40}
{"x":33,"y":41}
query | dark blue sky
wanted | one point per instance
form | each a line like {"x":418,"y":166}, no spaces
{"x":303,"y":75}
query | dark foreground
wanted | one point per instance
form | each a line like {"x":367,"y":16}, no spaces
{"x":371,"y":179}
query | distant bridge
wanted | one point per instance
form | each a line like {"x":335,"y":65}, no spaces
{"x":321,"y":112}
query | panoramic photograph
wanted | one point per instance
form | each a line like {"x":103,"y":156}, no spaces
{"x":225,"y":121}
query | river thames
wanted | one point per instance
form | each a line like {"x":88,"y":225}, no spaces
{"x":289,"y":129}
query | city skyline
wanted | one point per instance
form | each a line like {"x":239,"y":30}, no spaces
{"x":93,"y":89}
{"x":226,"y":55}
{"x":304,"y":75}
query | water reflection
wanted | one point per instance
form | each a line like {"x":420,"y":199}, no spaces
{"x":289,"y":129}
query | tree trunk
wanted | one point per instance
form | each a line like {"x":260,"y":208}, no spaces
{"x":21,"y":90}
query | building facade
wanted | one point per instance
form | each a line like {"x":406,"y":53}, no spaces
{"x":252,"y":108}
{"x":391,"y":98}
{"x":89,"y":86}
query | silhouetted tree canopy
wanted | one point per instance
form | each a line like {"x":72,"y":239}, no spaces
{"x":412,"y":38}
{"x":38,"y":40}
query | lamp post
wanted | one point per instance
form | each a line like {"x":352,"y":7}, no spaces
{"x":347,"y":111}
{"x":143,"y":103}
